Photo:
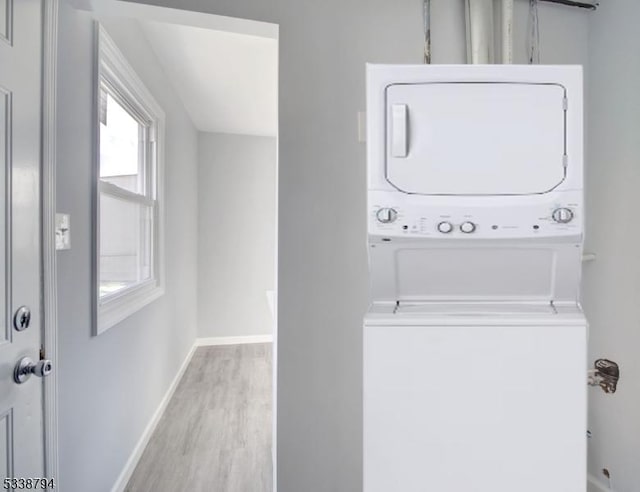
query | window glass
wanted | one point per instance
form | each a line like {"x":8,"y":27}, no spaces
{"x":129,"y":269}
{"x":126,"y":234}
{"x":121,"y":146}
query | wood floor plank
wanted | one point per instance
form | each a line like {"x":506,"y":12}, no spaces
{"x":215,"y":435}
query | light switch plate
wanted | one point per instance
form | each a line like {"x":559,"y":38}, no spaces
{"x":63,"y":231}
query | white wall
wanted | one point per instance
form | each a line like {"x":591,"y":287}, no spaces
{"x":236,"y":234}
{"x":322,"y":256}
{"x":110,"y":385}
{"x":612,"y":282}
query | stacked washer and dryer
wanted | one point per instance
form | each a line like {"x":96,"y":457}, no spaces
{"x":475,"y":343}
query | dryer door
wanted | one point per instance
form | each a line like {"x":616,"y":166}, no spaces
{"x":468,"y":138}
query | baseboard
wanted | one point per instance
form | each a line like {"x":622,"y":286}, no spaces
{"x":132,"y":462}
{"x":595,"y":485}
{"x":203,"y":342}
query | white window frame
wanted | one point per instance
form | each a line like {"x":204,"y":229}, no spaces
{"x":113,"y":70}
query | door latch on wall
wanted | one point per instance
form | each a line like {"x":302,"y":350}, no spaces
{"x":605,"y":374}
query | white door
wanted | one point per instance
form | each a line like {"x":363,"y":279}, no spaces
{"x":475,"y":138}
{"x":21,"y":412}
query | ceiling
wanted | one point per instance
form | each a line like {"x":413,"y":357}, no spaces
{"x":228,"y":82}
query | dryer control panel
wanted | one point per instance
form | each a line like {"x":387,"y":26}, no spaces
{"x":390,"y":215}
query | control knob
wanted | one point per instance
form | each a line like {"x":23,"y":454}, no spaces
{"x":386,"y":215}
{"x":562,"y":215}
{"x":467,"y":227}
{"x":445,"y":227}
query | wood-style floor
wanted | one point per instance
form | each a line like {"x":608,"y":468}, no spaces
{"x":215,"y":435}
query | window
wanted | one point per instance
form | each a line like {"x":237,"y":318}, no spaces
{"x":128,"y":203}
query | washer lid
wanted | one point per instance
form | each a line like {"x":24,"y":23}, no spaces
{"x":470,"y":138}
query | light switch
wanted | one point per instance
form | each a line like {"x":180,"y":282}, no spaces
{"x":63,"y":231}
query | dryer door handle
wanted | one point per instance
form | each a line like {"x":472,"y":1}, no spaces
{"x":399,"y":130}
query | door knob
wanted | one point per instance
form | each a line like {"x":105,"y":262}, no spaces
{"x":26,"y":367}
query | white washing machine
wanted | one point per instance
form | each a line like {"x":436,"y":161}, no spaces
{"x":475,"y":343}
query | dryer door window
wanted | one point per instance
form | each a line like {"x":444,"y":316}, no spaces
{"x":475,"y":138}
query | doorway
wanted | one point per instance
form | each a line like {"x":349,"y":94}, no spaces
{"x":195,"y":365}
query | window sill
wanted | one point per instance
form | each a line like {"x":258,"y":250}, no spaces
{"x":116,"y":309}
